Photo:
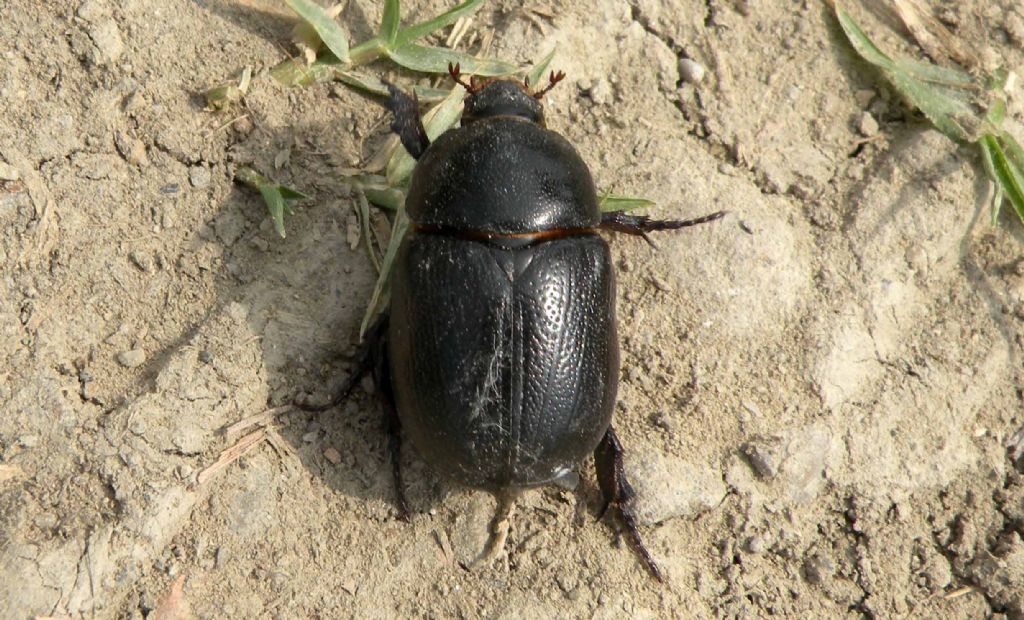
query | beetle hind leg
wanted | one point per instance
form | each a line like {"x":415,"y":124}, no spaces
{"x":618,"y":494}
{"x":620,"y":221}
{"x":498,"y":529}
{"x":407,"y":123}
{"x":382,"y":378}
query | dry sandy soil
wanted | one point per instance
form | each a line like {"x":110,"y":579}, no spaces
{"x":819,"y":394}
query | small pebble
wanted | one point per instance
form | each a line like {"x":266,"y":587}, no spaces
{"x":332,"y":455}
{"x":601,"y":91}
{"x":109,"y":45}
{"x":817,"y":569}
{"x":8,"y":172}
{"x":46,"y":521}
{"x":199,"y":176}
{"x":754,"y":544}
{"x":132,"y":358}
{"x":867,"y":126}
{"x":141,"y":261}
{"x":132,"y":149}
{"x":1015,"y":28}
{"x":761,"y":460}
{"x":691,"y":71}
{"x":28,"y":441}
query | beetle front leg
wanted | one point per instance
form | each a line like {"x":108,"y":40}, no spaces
{"x":620,"y":221}
{"x":618,"y":494}
{"x":407,"y":123}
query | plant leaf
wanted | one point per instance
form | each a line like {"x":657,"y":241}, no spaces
{"x":329,"y":31}
{"x":860,"y":41}
{"x":382,"y":290}
{"x":422,"y":29}
{"x":536,"y":74}
{"x":436,"y":60}
{"x":1008,"y":176}
{"x":373,"y":85}
{"x":616,"y":202}
{"x":294,"y":72}
{"x":389,"y":21}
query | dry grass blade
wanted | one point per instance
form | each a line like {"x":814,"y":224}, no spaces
{"x":934,"y":38}
{"x":232,"y":454}
{"x":260,"y":419}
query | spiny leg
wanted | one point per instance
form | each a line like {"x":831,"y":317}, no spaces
{"x":620,"y":221}
{"x":498,"y":529}
{"x":372,"y":357}
{"x":366,"y":360}
{"x":407,"y":122}
{"x":382,"y":377}
{"x":618,"y":494}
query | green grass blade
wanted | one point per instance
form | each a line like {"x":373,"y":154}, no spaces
{"x":990,"y":170}
{"x":936,"y":74}
{"x":389,"y":21}
{"x":536,"y":74}
{"x":860,"y":41}
{"x":616,"y":202}
{"x":326,"y":28}
{"x":275,"y":204}
{"x":363,"y":211}
{"x":382,"y":290}
{"x":422,"y":29}
{"x":1008,"y":176}
{"x":951,"y":116}
{"x":436,"y":60}
{"x":371,"y":84}
{"x":294,"y":72}
{"x":437,"y":121}
{"x":1014,"y":152}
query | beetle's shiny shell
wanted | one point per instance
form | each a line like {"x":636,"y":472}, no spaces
{"x":503,"y":353}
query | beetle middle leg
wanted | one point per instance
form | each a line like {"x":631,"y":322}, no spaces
{"x":618,"y":494}
{"x":372,"y":358}
{"x":620,"y":221}
{"x":407,"y":123}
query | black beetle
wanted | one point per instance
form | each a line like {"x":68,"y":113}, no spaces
{"x":498,"y":356}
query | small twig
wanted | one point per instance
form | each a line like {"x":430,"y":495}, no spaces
{"x":261,"y":419}
{"x":232,"y":454}
{"x":959,"y":592}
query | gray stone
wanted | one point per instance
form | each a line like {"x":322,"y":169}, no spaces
{"x":668,"y":488}
{"x":763,"y":458}
{"x":109,"y":45}
{"x":199,"y":176}
{"x":8,"y":172}
{"x":867,"y":126}
{"x":691,"y":71}
{"x":131,"y":359}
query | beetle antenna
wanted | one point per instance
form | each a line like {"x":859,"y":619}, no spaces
{"x":553,"y":79}
{"x":456,"y":73}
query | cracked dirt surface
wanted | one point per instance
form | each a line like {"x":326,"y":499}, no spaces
{"x":820,"y":396}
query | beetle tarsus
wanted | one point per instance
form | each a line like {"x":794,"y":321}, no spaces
{"x":618,"y":494}
{"x":407,"y":124}
{"x":394,"y":431}
{"x":498,"y":530}
{"x":620,"y":221}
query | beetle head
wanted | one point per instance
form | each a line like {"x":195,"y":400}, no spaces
{"x":502,"y":97}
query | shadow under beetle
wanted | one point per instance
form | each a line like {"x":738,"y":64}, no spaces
{"x":498,"y":356}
